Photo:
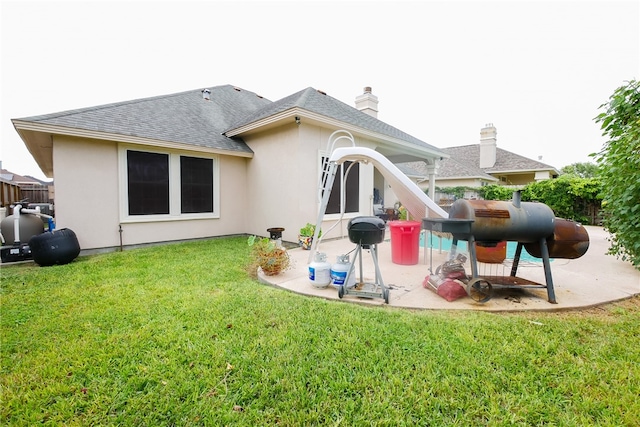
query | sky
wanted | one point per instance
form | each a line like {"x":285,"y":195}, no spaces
{"x":538,"y":70}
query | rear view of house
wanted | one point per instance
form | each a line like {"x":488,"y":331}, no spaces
{"x":207,"y":162}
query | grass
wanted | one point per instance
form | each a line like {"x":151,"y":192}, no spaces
{"x":181,"y":335}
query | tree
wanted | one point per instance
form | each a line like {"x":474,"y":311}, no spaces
{"x":619,"y":163}
{"x":581,"y":170}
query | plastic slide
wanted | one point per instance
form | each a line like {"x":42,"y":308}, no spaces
{"x":409,"y":194}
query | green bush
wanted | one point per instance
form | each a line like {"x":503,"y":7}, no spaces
{"x":568,"y":196}
{"x":619,"y":163}
{"x":458,"y":192}
{"x":495,"y":192}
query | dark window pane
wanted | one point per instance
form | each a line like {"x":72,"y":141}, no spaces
{"x":148,"y":183}
{"x":196,"y":184}
{"x":352,"y":188}
{"x":352,"y":191}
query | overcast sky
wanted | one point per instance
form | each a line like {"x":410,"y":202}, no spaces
{"x":537,"y":70}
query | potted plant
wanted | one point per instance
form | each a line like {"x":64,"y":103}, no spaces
{"x":266,"y":254}
{"x":305,"y":237}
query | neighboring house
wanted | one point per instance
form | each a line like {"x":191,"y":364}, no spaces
{"x":482,"y":164}
{"x":205,"y":163}
{"x":19,"y":179}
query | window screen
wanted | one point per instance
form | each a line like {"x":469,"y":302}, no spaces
{"x":352,"y":189}
{"x":196,"y":184}
{"x":148,"y":183}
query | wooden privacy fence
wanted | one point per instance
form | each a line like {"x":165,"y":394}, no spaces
{"x":9,"y":193}
{"x":35,"y":194}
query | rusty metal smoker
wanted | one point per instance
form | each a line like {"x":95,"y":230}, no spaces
{"x":487,"y":223}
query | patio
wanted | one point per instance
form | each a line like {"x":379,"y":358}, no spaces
{"x":590,"y":280}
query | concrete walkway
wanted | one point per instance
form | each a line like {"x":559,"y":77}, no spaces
{"x":593,"y":279}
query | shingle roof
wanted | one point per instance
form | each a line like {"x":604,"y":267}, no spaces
{"x":18,"y":179}
{"x":181,"y":117}
{"x":186,"y":118}
{"x":318,"y":102}
{"x":449,"y":168}
{"x":506,"y":161}
{"x":465,"y":159}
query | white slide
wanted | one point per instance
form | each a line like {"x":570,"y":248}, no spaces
{"x":409,"y":194}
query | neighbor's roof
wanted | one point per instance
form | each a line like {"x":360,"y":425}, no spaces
{"x":468,"y":156}
{"x":15,"y":178}
{"x":464,"y":163}
{"x":449,"y":168}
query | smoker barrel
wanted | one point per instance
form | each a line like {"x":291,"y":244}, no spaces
{"x":494,"y":221}
{"x":366,"y":230}
{"x":569,"y":240}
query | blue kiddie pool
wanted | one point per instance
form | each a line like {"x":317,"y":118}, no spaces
{"x":444,"y":244}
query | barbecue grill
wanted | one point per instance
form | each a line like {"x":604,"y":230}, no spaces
{"x":366,"y":232}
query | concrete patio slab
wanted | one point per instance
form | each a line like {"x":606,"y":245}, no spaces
{"x":593,"y":279}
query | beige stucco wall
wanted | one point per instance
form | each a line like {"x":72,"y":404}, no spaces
{"x":86,"y":180}
{"x":276,"y":188}
{"x":87,"y":198}
{"x":542,"y":175}
{"x":283,"y":180}
{"x":515,"y":179}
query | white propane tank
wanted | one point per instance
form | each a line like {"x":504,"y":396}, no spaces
{"x":320,"y":271}
{"x":339,"y":272}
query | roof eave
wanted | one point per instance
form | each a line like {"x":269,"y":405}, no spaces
{"x":486,"y":178}
{"x":521,"y":171}
{"x":28,"y":131}
{"x":306,"y":115}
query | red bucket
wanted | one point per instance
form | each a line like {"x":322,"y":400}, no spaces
{"x":405,"y":242}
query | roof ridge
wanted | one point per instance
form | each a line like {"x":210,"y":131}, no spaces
{"x":304,"y":96}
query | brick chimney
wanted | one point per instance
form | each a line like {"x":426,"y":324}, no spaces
{"x":367,"y":103}
{"x":488,"y":139}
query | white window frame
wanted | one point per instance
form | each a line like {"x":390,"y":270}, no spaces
{"x":174,"y":186}
{"x":335,"y":216}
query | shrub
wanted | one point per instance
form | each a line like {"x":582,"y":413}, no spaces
{"x":619,"y":163}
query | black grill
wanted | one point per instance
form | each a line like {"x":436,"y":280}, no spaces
{"x":366,"y":230}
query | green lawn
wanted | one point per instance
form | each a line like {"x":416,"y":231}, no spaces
{"x":181,"y":335}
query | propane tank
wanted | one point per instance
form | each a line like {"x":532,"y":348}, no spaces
{"x":339,"y":272}
{"x":320,"y":271}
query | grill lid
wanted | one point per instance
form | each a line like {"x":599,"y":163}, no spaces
{"x":366,"y":230}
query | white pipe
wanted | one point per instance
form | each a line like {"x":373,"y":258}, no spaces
{"x":16,"y":224}
{"x":17,"y":211}
{"x":36,"y":211}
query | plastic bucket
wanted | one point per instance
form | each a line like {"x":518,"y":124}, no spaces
{"x":405,"y":242}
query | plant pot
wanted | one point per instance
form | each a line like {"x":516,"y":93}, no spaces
{"x":276,"y":263}
{"x":305,"y":242}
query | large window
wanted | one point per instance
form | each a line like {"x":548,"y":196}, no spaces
{"x":351,"y":189}
{"x":196,"y":184}
{"x":165,"y":185}
{"x":147,"y":183}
